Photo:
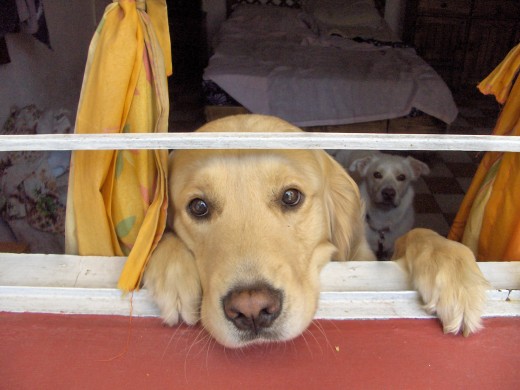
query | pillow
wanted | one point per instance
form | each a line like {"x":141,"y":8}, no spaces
{"x":267,"y":19}
{"x":343,"y":13}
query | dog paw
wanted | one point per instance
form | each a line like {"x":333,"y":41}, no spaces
{"x":458,"y":301}
{"x":447,"y":276}
{"x":173,"y":280}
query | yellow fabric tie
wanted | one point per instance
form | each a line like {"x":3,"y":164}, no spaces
{"x":117,"y":200}
{"x":498,"y":174}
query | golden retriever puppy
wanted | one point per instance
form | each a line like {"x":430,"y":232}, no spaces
{"x":447,"y":277}
{"x":249,"y":232}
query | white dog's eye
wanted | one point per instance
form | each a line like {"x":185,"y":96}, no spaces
{"x":291,"y":197}
{"x":378,"y":175}
{"x":401,"y":177}
{"x":198,"y":208}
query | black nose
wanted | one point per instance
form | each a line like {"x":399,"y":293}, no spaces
{"x":253,"y":308}
{"x":388,"y":194}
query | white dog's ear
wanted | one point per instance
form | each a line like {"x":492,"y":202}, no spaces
{"x":418,"y":167}
{"x":361,"y":165}
{"x":346,"y":213}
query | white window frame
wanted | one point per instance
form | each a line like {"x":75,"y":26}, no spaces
{"x":69,"y":284}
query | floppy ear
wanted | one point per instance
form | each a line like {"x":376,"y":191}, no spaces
{"x":418,"y":167}
{"x":361,"y":165}
{"x":169,"y":214}
{"x":346,"y":213}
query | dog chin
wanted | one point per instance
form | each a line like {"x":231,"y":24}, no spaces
{"x":233,"y":338}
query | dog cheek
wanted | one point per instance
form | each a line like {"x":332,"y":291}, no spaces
{"x":303,"y":303}
{"x":321,"y":256}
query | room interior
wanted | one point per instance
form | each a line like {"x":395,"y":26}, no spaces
{"x":193,"y":26}
{"x":117,"y":351}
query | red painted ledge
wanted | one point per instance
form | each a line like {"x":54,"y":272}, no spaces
{"x":44,"y":351}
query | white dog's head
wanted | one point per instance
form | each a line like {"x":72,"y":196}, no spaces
{"x":388,"y":177}
{"x":259,"y":225}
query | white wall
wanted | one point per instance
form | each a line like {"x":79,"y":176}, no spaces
{"x":50,"y":78}
{"x":215,"y":15}
{"x":394,"y":15}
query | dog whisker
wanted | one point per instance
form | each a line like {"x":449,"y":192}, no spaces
{"x":321,"y":329}
{"x":309,"y":349}
{"x":173,"y":335}
{"x":202,"y":339}
{"x":199,"y":339}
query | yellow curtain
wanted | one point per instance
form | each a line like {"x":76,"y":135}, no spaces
{"x":117,"y":200}
{"x":492,"y":227}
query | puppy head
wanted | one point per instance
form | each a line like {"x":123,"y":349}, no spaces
{"x":260,"y":225}
{"x":388,"y":177}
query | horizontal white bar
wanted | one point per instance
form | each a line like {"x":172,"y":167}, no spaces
{"x":305,"y":140}
{"x":400,"y":304}
{"x":339,"y":306}
{"x":37,"y":270}
{"x":60,"y":300}
{"x":60,"y":271}
{"x":352,"y":290}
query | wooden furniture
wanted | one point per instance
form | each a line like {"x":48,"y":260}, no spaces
{"x":464,"y":40}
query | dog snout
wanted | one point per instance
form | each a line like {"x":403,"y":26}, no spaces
{"x":388,"y":194}
{"x":253,"y":308}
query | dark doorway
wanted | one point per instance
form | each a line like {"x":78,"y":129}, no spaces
{"x":187,"y":23}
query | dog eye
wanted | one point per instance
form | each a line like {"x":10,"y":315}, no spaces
{"x":291,"y":197}
{"x":378,"y":175}
{"x":198,"y":208}
{"x":401,"y":177}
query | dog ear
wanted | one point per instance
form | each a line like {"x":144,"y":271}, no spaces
{"x":346,"y":212}
{"x":418,"y":167}
{"x":361,"y":165}
{"x":169,"y":214}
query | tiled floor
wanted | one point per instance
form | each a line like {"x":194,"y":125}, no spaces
{"x":439,"y":194}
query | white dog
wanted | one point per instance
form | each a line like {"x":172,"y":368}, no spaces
{"x":385,"y":183}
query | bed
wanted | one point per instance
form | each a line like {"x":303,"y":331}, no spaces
{"x":325,"y":65}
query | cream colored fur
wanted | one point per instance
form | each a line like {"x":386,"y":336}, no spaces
{"x":446,"y":275}
{"x":250,"y":237}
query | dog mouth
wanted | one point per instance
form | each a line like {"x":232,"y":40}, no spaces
{"x":248,"y":338}
{"x":387,"y":204}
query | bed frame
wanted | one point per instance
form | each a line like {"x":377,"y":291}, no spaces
{"x":418,"y":124}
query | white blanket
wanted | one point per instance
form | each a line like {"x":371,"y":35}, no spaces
{"x":271,"y":62}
